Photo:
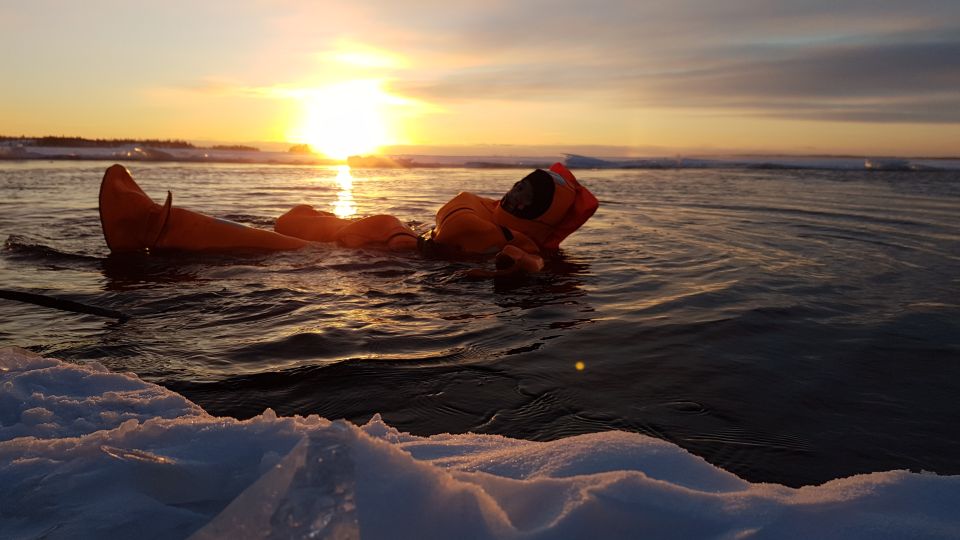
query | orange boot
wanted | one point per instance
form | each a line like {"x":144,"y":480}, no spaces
{"x":131,"y":222}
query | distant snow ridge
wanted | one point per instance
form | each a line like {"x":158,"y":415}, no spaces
{"x":85,"y":453}
{"x":575,"y":161}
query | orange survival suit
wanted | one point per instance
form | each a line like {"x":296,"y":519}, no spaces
{"x":467,"y":224}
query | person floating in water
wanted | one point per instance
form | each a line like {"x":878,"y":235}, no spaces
{"x":529,"y":221}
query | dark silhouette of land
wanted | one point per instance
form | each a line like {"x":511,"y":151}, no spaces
{"x":54,"y":141}
{"x":81,"y":142}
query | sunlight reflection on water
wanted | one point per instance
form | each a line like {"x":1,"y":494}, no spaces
{"x":345,"y":205}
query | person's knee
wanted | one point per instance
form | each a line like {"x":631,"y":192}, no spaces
{"x":303,"y":211}
{"x":371,"y":230}
{"x":303,"y":221}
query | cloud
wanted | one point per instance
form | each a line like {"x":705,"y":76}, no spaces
{"x":833,"y":72}
{"x":895,"y":79}
{"x":936,"y":110}
{"x":902,"y":82}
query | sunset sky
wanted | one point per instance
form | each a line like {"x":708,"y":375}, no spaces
{"x":623,"y":77}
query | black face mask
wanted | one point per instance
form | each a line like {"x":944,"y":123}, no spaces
{"x":543,"y":187}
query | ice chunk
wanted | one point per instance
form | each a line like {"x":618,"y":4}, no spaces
{"x":87,"y":453}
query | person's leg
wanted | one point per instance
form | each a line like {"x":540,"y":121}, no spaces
{"x":378,"y":231}
{"x":192,"y":231}
{"x":303,"y":221}
{"x":132,"y":222}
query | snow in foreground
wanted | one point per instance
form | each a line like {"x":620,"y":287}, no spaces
{"x":86,"y":453}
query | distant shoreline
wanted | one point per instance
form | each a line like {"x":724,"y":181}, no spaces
{"x":69,"y":142}
{"x":59,"y":141}
{"x":178,"y":151}
{"x":758,"y":163}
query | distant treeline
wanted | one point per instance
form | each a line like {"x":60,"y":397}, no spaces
{"x":81,"y":142}
{"x":239,"y":147}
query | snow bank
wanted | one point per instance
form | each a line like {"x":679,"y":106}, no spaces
{"x":88,"y":453}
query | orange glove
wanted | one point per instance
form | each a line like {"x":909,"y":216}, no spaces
{"x":514,"y":257}
{"x":510,"y":260}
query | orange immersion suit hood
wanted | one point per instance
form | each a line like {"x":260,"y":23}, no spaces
{"x":570,"y":207}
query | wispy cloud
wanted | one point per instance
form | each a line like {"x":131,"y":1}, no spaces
{"x":901,"y":82}
{"x":900,"y":79}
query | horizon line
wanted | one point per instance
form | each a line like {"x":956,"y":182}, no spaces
{"x":620,"y":151}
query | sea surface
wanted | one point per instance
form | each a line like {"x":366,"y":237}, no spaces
{"x":790,"y":326}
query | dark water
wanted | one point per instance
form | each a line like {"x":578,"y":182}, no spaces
{"x":789,"y":326}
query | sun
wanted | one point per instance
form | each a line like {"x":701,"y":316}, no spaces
{"x":346,"y":118}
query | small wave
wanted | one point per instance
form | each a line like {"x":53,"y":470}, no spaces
{"x":356,"y":388}
{"x":22,"y":248}
{"x":741,"y":437}
{"x":252,"y":220}
{"x":767,"y":163}
{"x":859,"y":218}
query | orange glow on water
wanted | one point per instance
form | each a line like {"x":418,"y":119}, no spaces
{"x":345,"y":205}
